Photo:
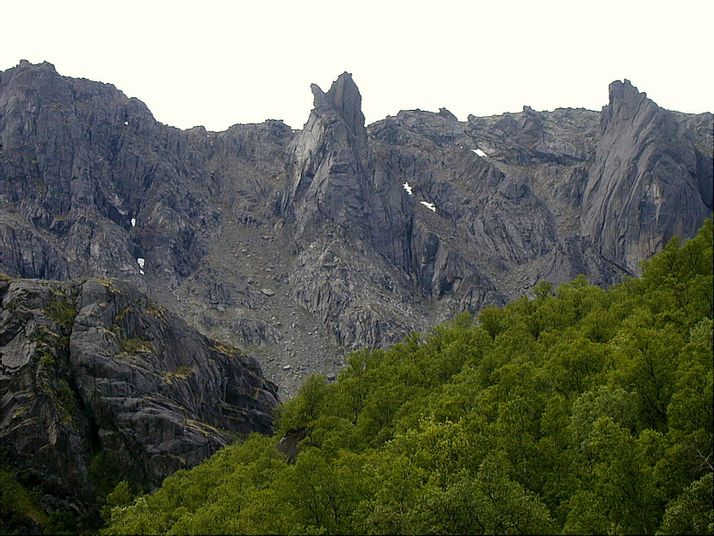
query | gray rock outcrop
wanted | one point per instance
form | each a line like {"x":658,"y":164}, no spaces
{"x":95,"y":368}
{"x":649,"y":181}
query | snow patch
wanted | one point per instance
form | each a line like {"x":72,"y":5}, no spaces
{"x":407,"y":188}
{"x":141,"y":272}
{"x":140,"y":262}
{"x":133,"y":222}
{"x":428,"y":205}
{"x":126,"y":123}
{"x":479,"y":152}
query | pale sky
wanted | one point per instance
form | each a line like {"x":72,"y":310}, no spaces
{"x":216,"y":63}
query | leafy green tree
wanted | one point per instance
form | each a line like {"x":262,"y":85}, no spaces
{"x":691,"y":512}
{"x":297,"y":413}
{"x":121,"y":496}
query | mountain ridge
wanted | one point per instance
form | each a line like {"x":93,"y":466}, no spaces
{"x":300,"y":244}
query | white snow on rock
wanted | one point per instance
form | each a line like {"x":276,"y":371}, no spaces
{"x":428,"y":205}
{"x":126,"y":123}
{"x":133,"y":222}
{"x":479,"y":152}
{"x":141,"y":272}
{"x":140,"y":262}
{"x":407,"y":188}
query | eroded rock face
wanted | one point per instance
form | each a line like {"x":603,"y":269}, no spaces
{"x":333,"y":180}
{"x":79,"y":162}
{"x":647,"y":182}
{"x":360,"y":234}
{"x":336,"y":192}
{"x":329,"y":162}
{"x":95,"y":367}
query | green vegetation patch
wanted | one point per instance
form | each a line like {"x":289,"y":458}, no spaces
{"x":135,"y":345}
{"x":123,"y":313}
{"x":66,"y":401}
{"x":180,"y":373}
{"x":108,"y":284}
{"x":44,"y":335}
{"x":62,"y":313}
{"x":20,"y":511}
{"x":225,"y":349}
{"x":47,"y":359}
{"x":156,"y":311}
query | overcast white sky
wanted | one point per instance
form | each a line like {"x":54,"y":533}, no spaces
{"x":216,"y":63}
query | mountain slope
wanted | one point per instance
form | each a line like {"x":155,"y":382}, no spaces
{"x":298,"y":245}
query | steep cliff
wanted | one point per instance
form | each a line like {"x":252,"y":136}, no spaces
{"x":91,"y":182}
{"x":649,"y":180}
{"x":94,"y":376}
{"x":350,"y":224}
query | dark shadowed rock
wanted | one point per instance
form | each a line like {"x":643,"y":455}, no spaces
{"x":95,"y":367}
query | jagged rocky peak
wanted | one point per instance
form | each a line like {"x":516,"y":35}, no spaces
{"x":530,"y":121}
{"x":624,"y":103}
{"x":25,"y":66}
{"x":646,"y":183}
{"x":446,"y":114}
{"x":620,"y":89}
{"x":335,"y":180}
{"x":328,"y":168}
{"x":345,"y":98}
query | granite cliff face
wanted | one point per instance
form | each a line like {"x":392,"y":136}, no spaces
{"x":93,"y":372}
{"x":91,"y":182}
{"x":650,"y":180}
{"x":300,"y":245}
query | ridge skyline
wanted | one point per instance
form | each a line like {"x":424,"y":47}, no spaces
{"x":241,"y":63}
{"x":368,"y":122}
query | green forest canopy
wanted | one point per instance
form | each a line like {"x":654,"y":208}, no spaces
{"x":578,"y":411}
